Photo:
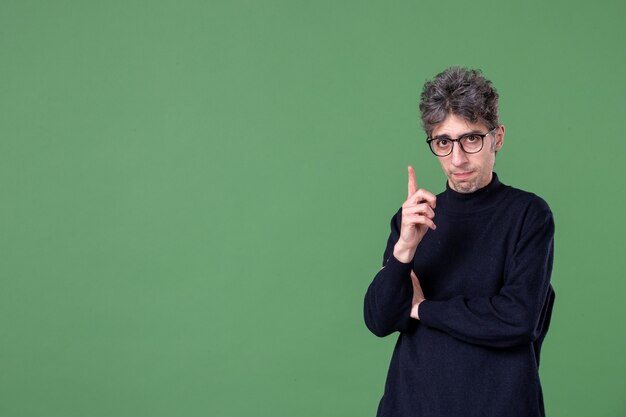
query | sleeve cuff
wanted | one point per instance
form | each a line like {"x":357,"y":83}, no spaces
{"x":395,"y":264}
{"x":427,"y":311}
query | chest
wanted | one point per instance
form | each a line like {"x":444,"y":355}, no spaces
{"x":465,"y":256}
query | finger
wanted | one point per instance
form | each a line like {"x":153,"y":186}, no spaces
{"x":412,"y":182}
{"x":417,"y":286}
{"x":423,"y":195}
{"x":423,"y":209}
{"x":418,"y":220}
{"x":414,"y":280}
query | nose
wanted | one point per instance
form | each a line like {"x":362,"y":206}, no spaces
{"x":458,"y":156}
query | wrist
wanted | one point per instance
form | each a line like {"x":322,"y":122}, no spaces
{"x":403,"y":254}
{"x":415,"y":310}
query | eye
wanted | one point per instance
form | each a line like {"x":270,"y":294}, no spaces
{"x":442,"y":143}
{"x":471,"y":138}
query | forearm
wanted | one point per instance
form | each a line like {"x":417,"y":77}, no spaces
{"x":494,"y":322}
{"x":388,"y":299}
{"x":404,"y":253}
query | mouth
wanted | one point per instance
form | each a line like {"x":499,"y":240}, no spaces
{"x":461,"y":175}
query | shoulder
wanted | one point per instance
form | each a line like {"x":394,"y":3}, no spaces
{"x":532,"y":211}
{"x":526,"y":200}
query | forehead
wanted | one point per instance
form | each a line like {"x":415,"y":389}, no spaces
{"x":454,"y":126}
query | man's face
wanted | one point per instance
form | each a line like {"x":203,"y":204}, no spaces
{"x":468,"y":172}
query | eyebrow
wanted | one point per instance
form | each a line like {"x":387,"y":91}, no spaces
{"x":473,"y":132}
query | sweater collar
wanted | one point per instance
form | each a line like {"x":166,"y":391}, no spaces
{"x":481,"y":199}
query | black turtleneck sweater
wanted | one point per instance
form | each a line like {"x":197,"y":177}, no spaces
{"x":485,"y":272}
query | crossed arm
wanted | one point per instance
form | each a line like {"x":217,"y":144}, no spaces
{"x":511,"y":317}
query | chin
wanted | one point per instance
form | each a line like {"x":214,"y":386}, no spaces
{"x":465,"y":187}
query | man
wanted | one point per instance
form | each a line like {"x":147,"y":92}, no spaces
{"x":466,"y":274}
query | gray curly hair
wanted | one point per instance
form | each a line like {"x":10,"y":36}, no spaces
{"x":461,"y":91}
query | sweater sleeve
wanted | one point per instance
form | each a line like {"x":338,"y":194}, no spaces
{"x":387,"y":305}
{"x":517,"y":314}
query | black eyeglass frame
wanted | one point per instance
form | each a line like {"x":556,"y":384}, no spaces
{"x":482,"y":142}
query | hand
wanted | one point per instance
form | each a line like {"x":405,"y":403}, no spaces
{"x":418,"y":296}
{"x":417,"y":214}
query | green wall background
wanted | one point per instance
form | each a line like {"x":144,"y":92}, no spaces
{"x":196,"y":194}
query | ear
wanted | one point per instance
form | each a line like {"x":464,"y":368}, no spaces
{"x":499,"y":137}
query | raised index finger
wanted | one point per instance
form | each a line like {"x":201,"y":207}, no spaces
{"x":412,"y":182}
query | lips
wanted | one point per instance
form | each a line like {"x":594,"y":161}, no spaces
{"x":462,"y":175}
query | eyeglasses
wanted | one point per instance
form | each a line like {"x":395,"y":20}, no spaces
{"x":469,"y":143}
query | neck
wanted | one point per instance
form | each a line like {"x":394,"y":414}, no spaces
{"x":482,"y":199}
